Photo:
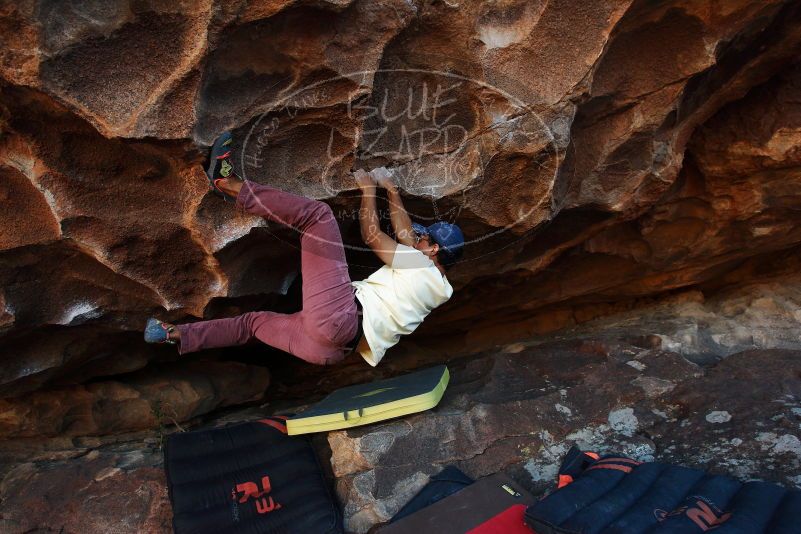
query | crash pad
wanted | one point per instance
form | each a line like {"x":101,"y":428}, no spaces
{"x":613,"y":493}
{"x":374,"y":401}
{"x":247,"y":478}
{"x":444,"y":484}
{"x":493,"y":504}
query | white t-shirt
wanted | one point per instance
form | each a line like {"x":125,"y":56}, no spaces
{"x":395,"y":299}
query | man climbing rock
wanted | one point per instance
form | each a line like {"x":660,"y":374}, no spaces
{"x":393,"y":301}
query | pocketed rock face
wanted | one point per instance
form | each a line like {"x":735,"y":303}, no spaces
{"x":626,"y":172}
{"x":734,"y":199}
{"x":595,"y":153}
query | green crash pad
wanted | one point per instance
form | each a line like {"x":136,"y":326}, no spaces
{"x":375,"y":401}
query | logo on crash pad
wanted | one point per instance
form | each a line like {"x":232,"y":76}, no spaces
{"x":374,"y":392}
{"x":704,"y":514}
{"x":263,"y":502}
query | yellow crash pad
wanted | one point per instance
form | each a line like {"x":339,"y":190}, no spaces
{"x":372,"y":402}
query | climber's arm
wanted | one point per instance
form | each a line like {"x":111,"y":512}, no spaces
{"x":401,"y":223}
{"x":379,"y":242}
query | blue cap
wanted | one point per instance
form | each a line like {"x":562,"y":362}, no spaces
{"x":448,"y":236}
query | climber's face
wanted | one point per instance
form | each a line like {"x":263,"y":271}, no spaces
{"x":425,"y":244}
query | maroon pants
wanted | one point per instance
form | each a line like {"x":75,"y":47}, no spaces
{"x":329,"y":319}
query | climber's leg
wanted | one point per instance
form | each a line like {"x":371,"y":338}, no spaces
{"x":329,"y":318}
{"x":282,"y":331}
{"x":329,"y":312}
{"x":272,"y":328}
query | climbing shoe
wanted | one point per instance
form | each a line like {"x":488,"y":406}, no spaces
{"x":220,"y":165}
{"x":158,"y":332}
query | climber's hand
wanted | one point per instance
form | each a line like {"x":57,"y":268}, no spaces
{"x":364,"y":180}
{"x":383,"y":177}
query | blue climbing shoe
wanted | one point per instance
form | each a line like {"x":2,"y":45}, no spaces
{"x":158,"y":332}
{"x":220,"y":165}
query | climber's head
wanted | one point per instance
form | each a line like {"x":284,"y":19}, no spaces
{"x":442,"y":240}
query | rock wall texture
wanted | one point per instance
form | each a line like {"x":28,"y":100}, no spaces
{"x":597,"y":154}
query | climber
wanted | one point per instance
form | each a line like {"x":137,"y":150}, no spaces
{"x":393,"y":301}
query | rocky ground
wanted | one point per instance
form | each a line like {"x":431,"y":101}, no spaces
{"x":520,"y":409}
{"x":515,"y":408}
